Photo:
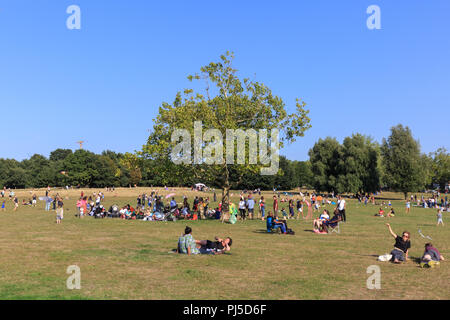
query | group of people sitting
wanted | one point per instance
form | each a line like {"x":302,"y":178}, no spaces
{"x":381,"y":213}
{"x":324,"y":224}
{"x":188,"y":245}
{"x":430,"y":258}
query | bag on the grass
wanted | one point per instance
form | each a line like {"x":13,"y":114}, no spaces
{"x":385,"y":257}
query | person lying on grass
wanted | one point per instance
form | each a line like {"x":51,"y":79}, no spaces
{"x":218,"y":246}
{"x":431,"y":256}
{"x":401,"y":246}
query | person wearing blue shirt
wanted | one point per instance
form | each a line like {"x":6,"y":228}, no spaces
{"x":173,"y":204}
{"x":250,"y":206}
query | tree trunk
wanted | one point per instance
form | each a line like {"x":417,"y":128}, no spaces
{"x":226,"y":191}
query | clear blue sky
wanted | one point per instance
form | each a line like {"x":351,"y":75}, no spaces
{"x":105,"y":82}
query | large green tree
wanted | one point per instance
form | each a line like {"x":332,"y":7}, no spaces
{"x":402,"y":161}
{"x":325,"y":158}
{"x":228,"y":102}
{"x":360,"y":169}
{"x":440,"y":167}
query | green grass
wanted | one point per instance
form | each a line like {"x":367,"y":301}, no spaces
{"x":131,"y":260}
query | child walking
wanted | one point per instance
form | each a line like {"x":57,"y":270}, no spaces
{"x":59,"y":212}
{"x":439,"y":217}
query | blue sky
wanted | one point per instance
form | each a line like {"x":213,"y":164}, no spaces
{"x":105,"y":82}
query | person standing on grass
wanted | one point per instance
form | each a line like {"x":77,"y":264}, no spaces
{"x":59,"y":212}
{"x":291,"y":209}
{"x":34,"y":201}
{"x":310,"y":212}
{"x":55,"y":200}
{"x":250,"y":206}
{"x":242,"y":208}
{"x":48,"y":201}
{"x":401,"y":246}
{"x":299,"y":209}
{"x":16,"y":203}
{"x":439,"y":217}
{"x":408,"y":206}
{"x":341,"y":205}
{"x":262,"y":207}
{"x":275,"y":204}
{"x":3,"y":206}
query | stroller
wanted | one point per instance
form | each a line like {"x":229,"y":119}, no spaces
{"x":113,"y":212}
{"x":99,"y":212}
{"x":170,"y":214}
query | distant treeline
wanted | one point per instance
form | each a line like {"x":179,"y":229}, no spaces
{"x":87,"y":169}
{"x":358,"y":165}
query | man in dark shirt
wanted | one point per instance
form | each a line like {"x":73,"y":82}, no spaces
{"x":401,"y":246}
{"x":214,"y":247}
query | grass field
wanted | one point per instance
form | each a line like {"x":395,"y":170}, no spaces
{"x":131,"y":260}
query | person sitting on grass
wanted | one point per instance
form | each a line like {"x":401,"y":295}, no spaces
{"x":391,"y":213}
{"x":148,"y":215}
{"x":401,"y":246}
{"x":380,"y":213}
{"x":272,"y":223}
{"x":186,"y":243}
{"x":431,"y":256}
{"x":281,"y":223}
{"x":218,"y":246}
{"x":333,"y":222}
{"x":317,"y":223}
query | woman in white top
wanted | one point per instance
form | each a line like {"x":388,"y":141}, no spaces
{"x":242,"y":208}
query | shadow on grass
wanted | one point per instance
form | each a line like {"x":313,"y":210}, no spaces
{"x":263,"y":231}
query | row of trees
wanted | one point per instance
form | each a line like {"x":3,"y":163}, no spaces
{"x":86,"y":169}
{"x":67,"y":168}
{"x":360,"y":165}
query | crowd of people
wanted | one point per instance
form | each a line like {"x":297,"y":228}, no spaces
{"x":155,"y":207}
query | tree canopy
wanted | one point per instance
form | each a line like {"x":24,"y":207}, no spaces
{"x":228,"y":103}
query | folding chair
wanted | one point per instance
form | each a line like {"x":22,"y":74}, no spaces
{"x":336,"y":229}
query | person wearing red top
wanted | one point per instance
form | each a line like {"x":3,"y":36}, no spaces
{"x":275,"y":204}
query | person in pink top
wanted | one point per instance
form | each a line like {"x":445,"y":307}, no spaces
{"x":309,"y":215}
{"x":275,"y":204}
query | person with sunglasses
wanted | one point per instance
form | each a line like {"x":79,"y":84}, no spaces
{"x":401,"y":246}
